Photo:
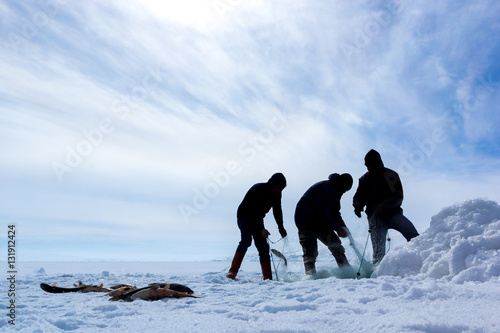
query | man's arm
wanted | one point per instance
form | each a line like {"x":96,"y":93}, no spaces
{"x":278,"y":216}
{"x":359,"y":201}
{"x":335,"y":218}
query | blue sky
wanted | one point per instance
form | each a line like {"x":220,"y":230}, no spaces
{"x":132,"y":131}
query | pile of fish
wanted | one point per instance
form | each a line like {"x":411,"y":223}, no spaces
{"x":127,"y":292}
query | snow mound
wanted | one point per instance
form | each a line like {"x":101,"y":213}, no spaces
{"x":462,"y":244}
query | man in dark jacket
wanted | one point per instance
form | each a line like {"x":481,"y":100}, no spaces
{"x":250,"y":216}
{"x":381,"y":191}
{"x":317,"y":216}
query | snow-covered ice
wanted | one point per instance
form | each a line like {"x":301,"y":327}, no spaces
{"x":445,"y":280}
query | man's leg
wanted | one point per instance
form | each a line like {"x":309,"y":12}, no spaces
{"x":265,"y":258}
{"x":378,"y":233}
{"x":262,"y":246}
{"x":310,"y":249}
{"x":246,"y":236}
{"x":245,"y":242}
{"x":235,"y":265}
{"x":400,"y":223}
{"x":332,"y":241}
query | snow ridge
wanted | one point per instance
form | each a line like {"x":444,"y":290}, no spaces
{"x":462,"y":244}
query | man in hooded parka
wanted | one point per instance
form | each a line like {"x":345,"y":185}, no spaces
{"x":317,"y":216}
{"x":257,"y":202}
{"x":381,"y":192}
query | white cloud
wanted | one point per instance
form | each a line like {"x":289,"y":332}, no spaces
{"x":188,"y":12}
{"x":269,"y":86}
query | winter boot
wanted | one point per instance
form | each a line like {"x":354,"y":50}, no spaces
{"x":267,"y":273}
{"x":235,"y":265}
{"x":310,"y":268}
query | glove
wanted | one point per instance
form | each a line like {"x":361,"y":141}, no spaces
{"x":265,"y":233}
{"x":282,"y":232}
{"x":342,"y":233}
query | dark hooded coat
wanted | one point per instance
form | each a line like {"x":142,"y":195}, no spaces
{"x":381,"y":187}
{"x":259,"y":200}
{"x":318,"y":210}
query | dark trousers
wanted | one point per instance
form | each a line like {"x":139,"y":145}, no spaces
{"x":378,"y":231}
{"x":308,"y":240}
{"x":249,"y":231}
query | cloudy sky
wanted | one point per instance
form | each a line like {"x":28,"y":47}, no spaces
{"x":131,"y":130}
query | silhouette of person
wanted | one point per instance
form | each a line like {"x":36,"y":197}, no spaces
{"x":381,"y":192}
{"x":259,"y":199}
{"x":317,"y":216}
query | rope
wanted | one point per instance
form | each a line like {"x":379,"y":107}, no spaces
{"x":276,"y":241}
{"x":356,"y":250}
{"x":388,"y":243}
{"x":358,"y":274}
{"x":272,"y":258}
